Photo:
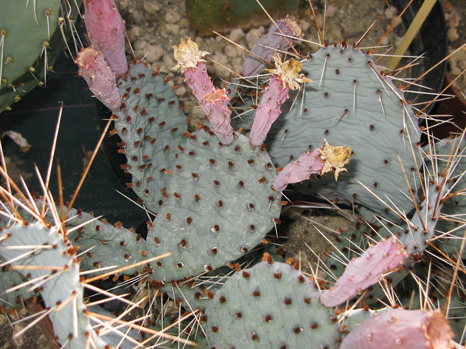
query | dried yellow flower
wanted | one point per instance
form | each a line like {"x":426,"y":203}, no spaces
{"x":334,"y":158}
{"x":187,"y":54}
{"x":288,"y":72}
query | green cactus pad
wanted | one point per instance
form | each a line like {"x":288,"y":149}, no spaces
{"x":10,"y":279}
{"x":270,"y":306}
{"x":454,"y":207}
{"x":151,"y":125}
{"x":342,"y":105}
{"x":31,"y":40}
{"x":219,"y":204}
{"x":53,"y":259}
{"x":105,"y":244}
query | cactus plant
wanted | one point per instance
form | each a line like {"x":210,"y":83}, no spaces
{"x":32,"y":36}
{"x":349,"y":93}
{"x":214,"y":195}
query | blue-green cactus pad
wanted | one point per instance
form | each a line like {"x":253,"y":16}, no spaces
{"x":270,"y":306}
{"x":151,"y":125}
{"x":219,"y":205}
{"x":350,"y":103}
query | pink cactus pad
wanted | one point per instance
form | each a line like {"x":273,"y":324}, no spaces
{"x":399,"y":328}
{"x":299,"y":170}
{"x":99,"y":77}
{"x":213,"y":101}
{"x":199,"y":81}
{"x":365,"y":271}
{"x":219,"y":115}
{"x":106,"y":31}
{"x":327,"y":158}
{"x":268,"y":110}
{"x":285,"y":77}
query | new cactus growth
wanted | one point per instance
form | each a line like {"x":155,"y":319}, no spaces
{"x":325,"y":159}
{"x":283,"y":34}
{"x":106,"y":30}
{"x":213,"y":101}
{"x":401,"y":328}
{"x":285,"y":77}
{"x":365,"y":271}
{"x":99,"y":77}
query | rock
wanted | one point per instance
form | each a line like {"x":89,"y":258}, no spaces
{"x":253,"y":36}
{"x":391,"y":12}
{"x":171,"y":16}
{"x":140,"y":45}
{"x":453,"y":20}
{"x":134,"y":33}
{"x":152,"y":7}
{"x":219,"y":69}
{"x":452,"y":34}
{"x":172,"y":28}
{"x":331,"y":10}
{"x":230,"y":52}
{"x":236,"y":34}
{"x":154,"y":52}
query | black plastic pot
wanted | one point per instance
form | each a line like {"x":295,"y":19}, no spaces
{"x":431,"y":42}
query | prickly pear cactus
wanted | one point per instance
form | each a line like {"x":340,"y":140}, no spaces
{"x":32,"y":36}
{"x":51,"y":263}
{"x":151,"y":126}
{"x":271,"y":305}
{"x":218,"y":205}
{"x":454,"y":207}
{"x":350,"y":102}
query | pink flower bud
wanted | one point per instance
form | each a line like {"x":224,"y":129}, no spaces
{"x":268,"y":110}
{"x":327,"y":158}
{"x":99,"y":77}
{"x":213,"y":101}
{"x":365,"y":271}
{"x":399,"y":328}
{"x":106,"y":31}
{"x":299,"y":170}
{"x":285,"y":77}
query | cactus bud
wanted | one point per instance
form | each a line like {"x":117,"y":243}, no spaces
{"x":99,"y":77}
{"x":106,"y":31}
{"x":365,"y":271}
{"x":399,"y":328}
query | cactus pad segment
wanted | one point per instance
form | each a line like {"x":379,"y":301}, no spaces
{"x":38,"y":22}
{"x":365,"y":271}
{"x":55,"y":260}
{"x":350,"y":103}
{"x":32,"y":37}
{"x":219,"y":204}
{"x":455,"y":206}
{"x":151,"y":125}
{"x":105,"y":244}
{"x":9,"y":279}
{"x":270,"y":306}
{"x":401,"y":328}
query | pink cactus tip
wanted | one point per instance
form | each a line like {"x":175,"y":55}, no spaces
{"x":285,"y":77}
{"x":219,"y":115}
{"x":325,"y":159}
{"x":213,"y":101}
{"x":365,"y":271}
{"x":399,"y":328}
{"x":106,"y":31}
{"x":99,"y":77}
